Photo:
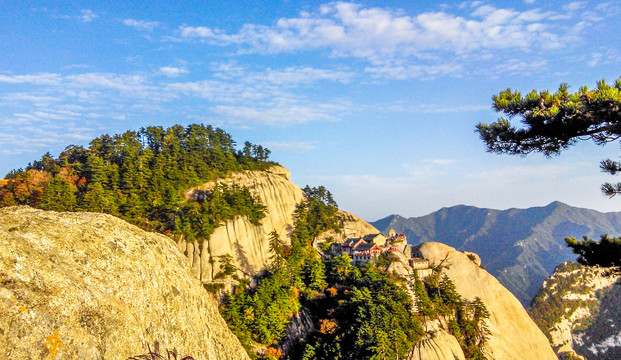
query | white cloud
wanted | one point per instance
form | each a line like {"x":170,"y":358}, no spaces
{"x":35,"y":79}
{"x":302,"y":74}
{"x":279,"y":115}
{"x":246,"y":99}
{"x":29,"y":134}
{"x":173,"y":71}
{"x":37,"y":100}
{"x":404,"y":72}
{"x":595,"y":60}
{"x":347,"y":29}
{"x":289,"y":146}
{"x":141,"y":25}
{"x":228,"y":70}
{"x":517,"y":66}
{"x":135,"y":86}
{"x":575,"y":5}
{"x":199,"y":32}
{"x":87,"y":15}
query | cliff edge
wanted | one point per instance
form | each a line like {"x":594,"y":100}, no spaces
{"x":91,"y":286}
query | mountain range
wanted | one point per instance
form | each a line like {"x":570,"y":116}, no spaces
{"x":520,"y":247}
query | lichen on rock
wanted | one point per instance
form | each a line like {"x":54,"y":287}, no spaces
{"x":91,"y":286}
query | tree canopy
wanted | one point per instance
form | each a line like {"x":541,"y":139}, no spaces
{"x":552,"y":122}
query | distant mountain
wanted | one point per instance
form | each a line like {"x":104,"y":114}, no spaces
{"x":520,"y":247}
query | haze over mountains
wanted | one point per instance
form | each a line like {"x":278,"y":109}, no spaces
{"x":520,"y":247}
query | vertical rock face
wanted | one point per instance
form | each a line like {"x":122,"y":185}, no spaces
{"x":248,"y":243}
{"x":245,"y":242}
{"x":513,"y":334}
{"x":91,"y":286}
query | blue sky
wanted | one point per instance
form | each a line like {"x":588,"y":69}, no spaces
{"x":376,"y":100}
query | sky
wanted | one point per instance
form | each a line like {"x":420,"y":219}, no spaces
{"x":376,"y":100}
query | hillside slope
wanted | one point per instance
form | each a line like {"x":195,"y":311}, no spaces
{"x":91,"y":286}
{"x":520,"y":247}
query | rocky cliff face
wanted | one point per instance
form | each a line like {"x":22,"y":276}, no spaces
{"x":513,"y":334}
{"x":248,"y":243}
{"x":578,"y":309}
{"x":91,"y":286}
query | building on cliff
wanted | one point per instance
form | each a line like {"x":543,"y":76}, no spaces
{"x":365,"y":253}
{"x":420,"y":267}
{"x":369,"y":247}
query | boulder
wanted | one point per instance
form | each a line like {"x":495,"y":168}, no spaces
{"x":91,"y":286}
{"x":439,"y":345}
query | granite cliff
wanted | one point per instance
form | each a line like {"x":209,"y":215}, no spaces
{"x":512,"y":333}
{"x":91,"y":286}
{"x":248,"y":243}
{"x":440,"y":345}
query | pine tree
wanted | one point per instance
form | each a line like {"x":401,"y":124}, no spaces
{"x":606,"y":252}
{"x":552,"y":122}
{"x":449,"y":293}
{"x":58,"y":195}
{"x":423,"y":303}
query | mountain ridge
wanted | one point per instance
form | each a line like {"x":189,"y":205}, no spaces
{"x":520,"y":247}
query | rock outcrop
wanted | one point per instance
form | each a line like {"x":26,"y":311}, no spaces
{"x":248,"y":243}
{"x":578,"y":308}
{"x":440,"y":345}
{"x":354,"y":227}
{"x":91,"y":286}
{"x":512,"y":333}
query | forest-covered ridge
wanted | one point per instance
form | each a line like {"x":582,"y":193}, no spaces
{"x":141,"y":176}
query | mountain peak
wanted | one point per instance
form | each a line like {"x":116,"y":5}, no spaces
{"x":555,"y":204}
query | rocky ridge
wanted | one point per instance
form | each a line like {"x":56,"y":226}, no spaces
{"x":91,"y":286}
